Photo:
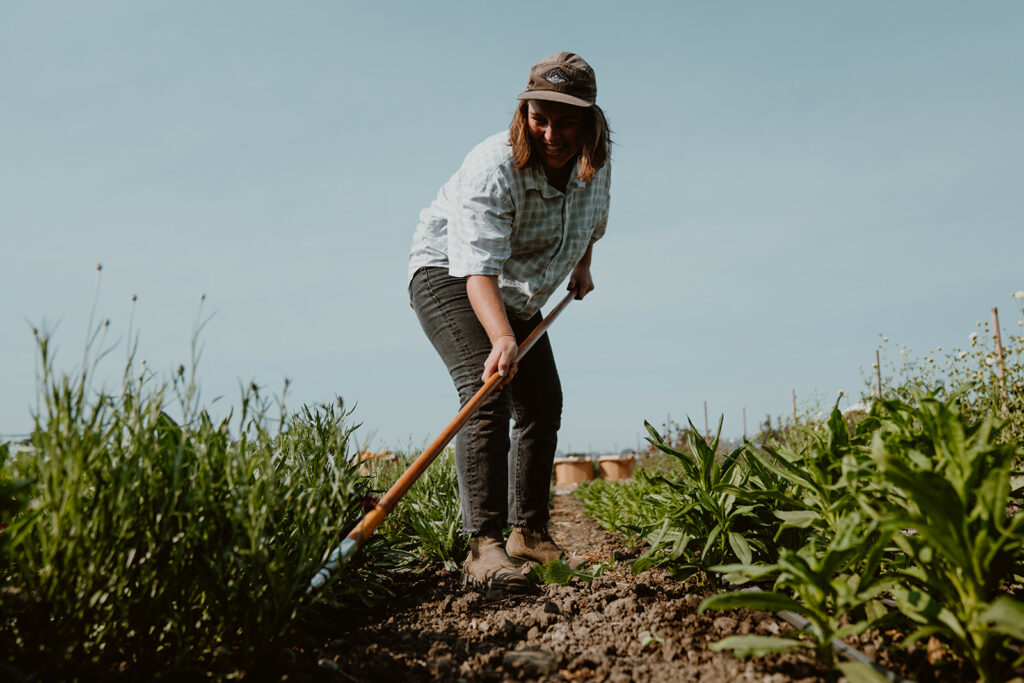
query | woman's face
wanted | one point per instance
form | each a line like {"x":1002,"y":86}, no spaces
{"x":556,"y":130}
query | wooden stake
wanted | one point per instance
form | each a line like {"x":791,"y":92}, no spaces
{"x":878,"y":376}
{"x":744,"y":423}
{"x":1001,"y":369}
{"x":794,"y":407}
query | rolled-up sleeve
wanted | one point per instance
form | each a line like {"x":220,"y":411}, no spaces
{"x":480,"y":229}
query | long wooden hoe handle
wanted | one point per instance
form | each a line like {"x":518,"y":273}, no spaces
{"x":369,"y":523}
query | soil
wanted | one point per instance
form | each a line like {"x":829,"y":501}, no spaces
{"x":619,"y":628}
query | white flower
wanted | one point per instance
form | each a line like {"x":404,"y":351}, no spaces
{"x":1019,"y":295}
{"x":990,"y":361}
{"x":973,"y":336}
{"x":885,"y":339}
{"x":963,"y":354}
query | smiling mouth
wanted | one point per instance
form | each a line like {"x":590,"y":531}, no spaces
{"x":554,"y":149}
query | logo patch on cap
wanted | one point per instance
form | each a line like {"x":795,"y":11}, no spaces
{"x":556,"y":76}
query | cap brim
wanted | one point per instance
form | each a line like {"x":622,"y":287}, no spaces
{"x":554,"y":96}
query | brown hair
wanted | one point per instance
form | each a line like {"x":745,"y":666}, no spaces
{"x":596,"y":144}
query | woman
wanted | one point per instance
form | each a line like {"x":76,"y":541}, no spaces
{"x":521,"y":214}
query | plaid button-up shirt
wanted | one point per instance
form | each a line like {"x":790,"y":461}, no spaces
{"x":493,"y":219}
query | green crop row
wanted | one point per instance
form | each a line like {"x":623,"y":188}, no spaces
{"x":182,"y":547}
{"x":918,"y":505}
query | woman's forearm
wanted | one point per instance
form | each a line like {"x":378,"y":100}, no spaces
{"x":485,"y":298}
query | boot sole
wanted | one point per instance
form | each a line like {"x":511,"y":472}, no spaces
{"x":512,"y":587}
{"x":521,"y":558}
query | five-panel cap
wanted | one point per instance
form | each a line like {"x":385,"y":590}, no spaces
{"x":562,"y":77}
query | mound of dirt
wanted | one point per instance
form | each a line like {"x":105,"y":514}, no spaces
{"x":619,"y":628}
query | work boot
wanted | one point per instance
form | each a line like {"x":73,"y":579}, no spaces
{"x":489,"y":565}
{"x":536,"y":545}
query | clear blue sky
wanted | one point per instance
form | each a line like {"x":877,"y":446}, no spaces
{"x":791,"y":181}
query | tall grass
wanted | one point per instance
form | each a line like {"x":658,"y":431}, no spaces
{"x":168,"y":547}
{"x":427,"y":524}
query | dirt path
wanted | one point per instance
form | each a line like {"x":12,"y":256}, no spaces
{"x":619,"y":628}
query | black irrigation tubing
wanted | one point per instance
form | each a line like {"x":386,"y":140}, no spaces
{"x":842,"y":648}
{"x":848,"y":651}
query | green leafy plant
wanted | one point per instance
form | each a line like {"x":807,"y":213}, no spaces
{"x":560,"y":572}
{"x":826,"y":582}
{"x":814,"y":486}
{"x":951,"y":490}
{"x":703,"y":523}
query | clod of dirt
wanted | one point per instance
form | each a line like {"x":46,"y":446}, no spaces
{"x":725,"y":623}
{"x":621,"y":607}
{"x":529,"y":662}
{"x":465,"y":603}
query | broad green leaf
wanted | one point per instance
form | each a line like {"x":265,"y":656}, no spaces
{"x":644,"y":563}
{"x":924,"y":609}
{"x":851,"y":630}
{"x":769,"y":602}
{"x":557,"y":572}
{"x":755,"y":646}
{"x":712,"y":537}
{"x":1006,"y":616}
{"x":943,"y":513}
{"x":679,"y":546}
{"x":799,"y":519}
{"x":751,"y":571}
{"x":779,"y":498}
{"x":922,"y":633}
{"x":775,"y":462}
{"x":740,"y":547}
{"x":861,"y":672}
{"x":875,"y":610}
{"x":839,"y":433}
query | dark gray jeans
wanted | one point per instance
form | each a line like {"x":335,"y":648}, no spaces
{"x":487,"y":460}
